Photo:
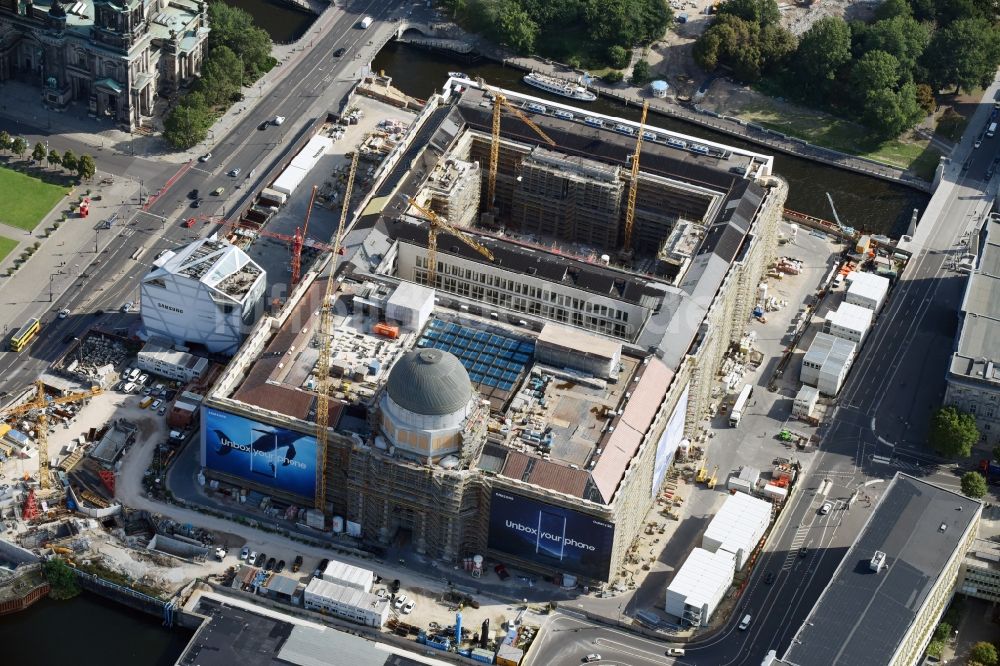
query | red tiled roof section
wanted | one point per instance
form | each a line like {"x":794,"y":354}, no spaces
{"x":621,"y":446}
{"x":560,"y":478}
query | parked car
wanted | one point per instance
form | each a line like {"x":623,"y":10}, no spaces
{"x":408,"y":607}
{"x":593,"y":656}
{"x":218,"y":191}
{"x":675,"y":652}
{"x":245,"y":553}
{"x":156,"y":404}
{"x":220,"y":553}
{"x":162,"y":410}
{"x":279,"y":567}
{"x":297,"y":564}
{"x":400,"y":602}
{"x":252,"y":557}
{"x":143,"y":378}
{"x":321,"y":567}
{"x":270,"y":564}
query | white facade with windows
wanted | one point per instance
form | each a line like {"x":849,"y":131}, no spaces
{"x":827,"y":363}
{"x":207,"y":293}
{"x":170,"y":363}
{"x":849,"y":322}
{"x":494,"y":286}
{"x":867,"y":290}
{"x":699,"y":586}
{"x":347,"y":603}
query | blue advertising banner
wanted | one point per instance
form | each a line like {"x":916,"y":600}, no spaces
{"x":563,"y":539}
{"x":265,"y":454}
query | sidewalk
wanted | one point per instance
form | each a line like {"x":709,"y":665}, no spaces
{"x":66,"y":253}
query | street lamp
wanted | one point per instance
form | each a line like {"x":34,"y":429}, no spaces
{"x":50,"y":286}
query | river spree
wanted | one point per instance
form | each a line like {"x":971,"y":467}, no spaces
{"x":88,"y":630}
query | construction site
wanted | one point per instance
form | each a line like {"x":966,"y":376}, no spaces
{"x":521,"y":320}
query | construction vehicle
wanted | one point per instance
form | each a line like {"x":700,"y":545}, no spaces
{"x":38,"y":406}
{"x":714,"y":478}
{"x":633,"y":187}
{"x":438,"y":224}
{"x":326,"y":347}
{"x":702,"y":472}
{"x":500,"y":101}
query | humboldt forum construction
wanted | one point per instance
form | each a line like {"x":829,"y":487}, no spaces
{"x":527,"y":405}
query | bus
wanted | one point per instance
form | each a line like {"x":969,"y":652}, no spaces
{"x":25,"y":335}
{"x":740,"y":406}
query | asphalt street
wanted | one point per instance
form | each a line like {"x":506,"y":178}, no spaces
{"x":305,"y":93}
{"x":877,"y":430}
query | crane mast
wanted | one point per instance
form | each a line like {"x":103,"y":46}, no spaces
{"x":437,"y":224}
{"x":633,"y":187}
{"x":325,"y":348}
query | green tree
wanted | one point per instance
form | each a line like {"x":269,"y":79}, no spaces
{"x":62,"y":581}
{"x":19,"y":147}
{"x":626,"y":22}
{"x":964,"y":54}
{"x":5,"y":140}
{"x":53,"y":158}
{"x":822,"y":51}
{"x":942,"y":632}
{"x":973,"y":485}
{"x":761,"y":12}
{"x":925,"y":98}
{"x":952,"y":433}
{"x":891,"y":9}
{"x":186,"y":126}
{"x":935,"y":649}
{"x":641,"y":73}
{"x":220,"y":76}
{"x":38,"y":153}
{"x":618,"y":56}
{"x":983,"y":653}
{"x":514,"y":26}
{"x":234,"y":28}
{"x":614,"y":76}
{"x":876,"y":71}
{"x":69,"y":161}
{"x":902,"y":36}
{"x":743,"y":46}
{"x":890,"y":112}
{"x":86,"y":167}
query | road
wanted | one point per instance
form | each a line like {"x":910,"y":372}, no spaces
{"x":878,"y":429}
{"x":315,"y":84}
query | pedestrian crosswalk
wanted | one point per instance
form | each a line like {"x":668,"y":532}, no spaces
{"x":798,"y":541}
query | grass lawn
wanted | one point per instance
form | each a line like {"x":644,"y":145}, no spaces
{"x":6,"y":245}
{"x":26,"y":199}
{"x":829,"y":131}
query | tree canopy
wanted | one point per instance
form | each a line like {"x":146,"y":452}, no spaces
{"x":186,"y":126}
{"x":750,"y":47}
{"x":983,"y":653}
{"x":564,"y":28}
{"x":974,"y":485}
{"x":964,"y":54}
{"x":86,"y":167}
{"x":234,"y":28}
{"x":62,"y":580}
{"x":952,"y":433}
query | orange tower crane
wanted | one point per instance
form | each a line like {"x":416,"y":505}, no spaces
{"x":299,"y":238}
{"x":633,"y":187}
{"x":437,"y":224}
{"x":38,"y":406}
{"x":500,"y":101}
{"x":325,"y":334}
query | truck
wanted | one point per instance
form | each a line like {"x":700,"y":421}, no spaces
{"x":740,"y":406}
{"x":366,"y":22}
{"x":990,"y":469}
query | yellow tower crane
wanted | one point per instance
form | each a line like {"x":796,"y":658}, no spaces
{"x":500,"y":101}
{"x":633,"y":187}
{"x":437,"y":224}
{"x":38,"y":405}
{"x":325,"y":334}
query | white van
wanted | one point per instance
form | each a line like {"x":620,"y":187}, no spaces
{"x":746,"y":622}
{"x":365,"y":22}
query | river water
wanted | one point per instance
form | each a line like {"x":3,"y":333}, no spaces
{"x":863,"y":202}
{"x":87,"y":630}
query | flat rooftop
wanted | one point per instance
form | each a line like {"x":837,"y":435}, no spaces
{"x":977,"y":356}
{"x":233,"y":634}
{"x":862,"y":616}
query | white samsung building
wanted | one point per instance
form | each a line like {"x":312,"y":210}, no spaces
{"x":207,"y":293}
{"x":699,"y":586}
{"x":738,"y":527}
